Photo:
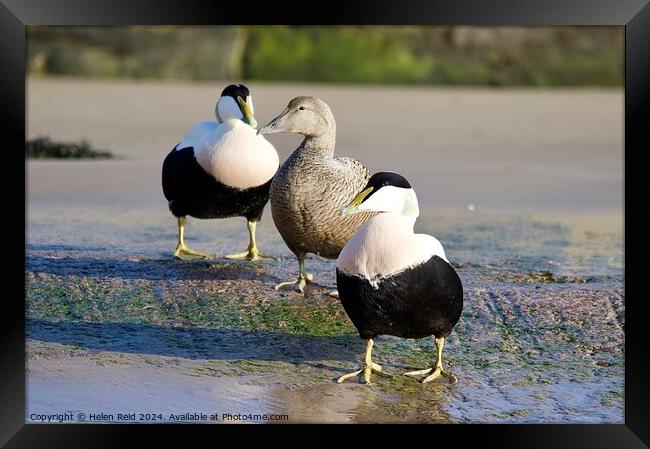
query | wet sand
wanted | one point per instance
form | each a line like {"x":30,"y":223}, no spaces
{"x":114,"y":322}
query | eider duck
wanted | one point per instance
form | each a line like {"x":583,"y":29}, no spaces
{"x":221,"y":169}
{"x":311,"y":186}
{"x":392,"y":281}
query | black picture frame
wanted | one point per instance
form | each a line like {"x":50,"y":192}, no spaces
{"x":634,"y":15}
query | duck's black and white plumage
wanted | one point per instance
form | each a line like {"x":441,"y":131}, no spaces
{"x":221,"y":169}
{"x":392,"y":281}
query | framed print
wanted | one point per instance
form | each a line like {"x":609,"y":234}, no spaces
{"x":413,"y":213}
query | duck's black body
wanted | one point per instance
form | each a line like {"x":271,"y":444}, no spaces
{"x":192,"y":191}
{"x":415,"y":303}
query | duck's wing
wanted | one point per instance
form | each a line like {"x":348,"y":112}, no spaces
{"x":336,"y":189}
{"x":198,"y":133}
{"x":353,"y":178}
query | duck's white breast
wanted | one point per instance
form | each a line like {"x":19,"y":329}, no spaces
{"x":386,"y":245}
{"x":236,"y":156}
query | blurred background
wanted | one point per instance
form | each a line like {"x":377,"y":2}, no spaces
{"x":513,"y":56}
{"x":517,"y":118}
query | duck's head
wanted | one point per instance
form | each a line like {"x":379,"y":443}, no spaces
{"x":309,"y":116}
{"x":235,"y":103}
{"x":385,"y":192}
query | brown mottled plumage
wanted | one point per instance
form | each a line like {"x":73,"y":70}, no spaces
{"x":311,"y":187}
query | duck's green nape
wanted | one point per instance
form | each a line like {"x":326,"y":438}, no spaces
{"x":411,"y":207}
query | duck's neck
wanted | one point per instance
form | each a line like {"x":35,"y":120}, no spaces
{"x":320,"y":145}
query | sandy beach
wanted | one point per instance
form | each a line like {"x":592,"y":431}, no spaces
{"x":114,"y":322}
{"x":517,"y":149}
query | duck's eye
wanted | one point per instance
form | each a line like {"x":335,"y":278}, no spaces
{"x":301,"y":108}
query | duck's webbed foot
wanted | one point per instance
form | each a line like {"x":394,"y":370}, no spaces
{"x":183,"y":250}
{"x":251,"y":254}
{"x":304,"y":279}
{"x":437,"y":371}
{"x":364,"y":374}
{"x":300,"y":283}
{"x":368,"y":368}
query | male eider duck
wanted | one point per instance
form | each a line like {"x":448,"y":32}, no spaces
{"x":221,"y":169}
{"x":311,"y":186}
{"x":392,"y":281}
